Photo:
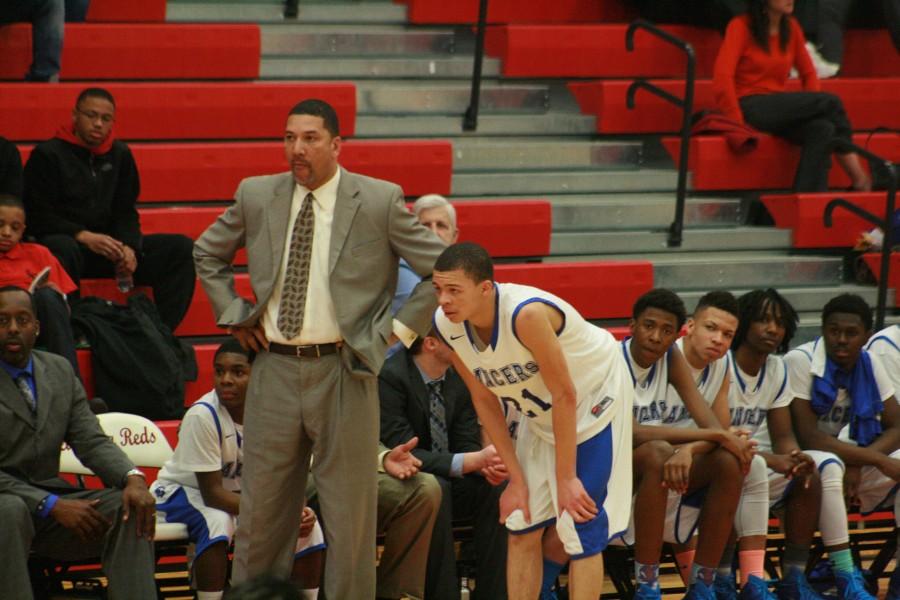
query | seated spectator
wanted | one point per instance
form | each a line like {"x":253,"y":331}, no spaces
{"x":42,"y":405}
{"x":200,"y":485}
{"x":20,"y":264}
{"x":749,"y":80}
{"x":76,"y":10}
{"x":10,"y":168}
{"x":47,"y":18}
{"x":81,"y":188}
{"x":437,"y":214}
{"x":422,"y":396}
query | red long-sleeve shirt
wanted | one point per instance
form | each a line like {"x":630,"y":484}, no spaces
{"x":24,"y":261}
{"x":744,"y":69}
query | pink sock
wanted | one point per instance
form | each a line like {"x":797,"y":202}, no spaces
{"x":685,"y":560}
{"x":751,"y":562}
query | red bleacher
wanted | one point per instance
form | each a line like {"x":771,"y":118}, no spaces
{"x":770,"y":166}
{"x":193,"y":111}
{"x":598,"y":290}
{"x":802,"y":213}
{"x":465,"y":12}
{"x":870,"y":103}
{"x":203,"y":172}
{"x":873,"y":261}
{"x":142,"y":51}
{"x":144,"y":11}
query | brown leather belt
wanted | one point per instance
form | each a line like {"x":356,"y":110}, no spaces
{"x":310,"y":351}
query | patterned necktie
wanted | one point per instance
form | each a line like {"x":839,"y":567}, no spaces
{"x":437,"y":418}
{"x":25,"y":390}
{"x":296,"y":275}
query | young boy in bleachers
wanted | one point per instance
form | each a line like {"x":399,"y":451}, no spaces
{"x":200,"y":485}
{"x":843,"y":403}
{"x":20,"y":263}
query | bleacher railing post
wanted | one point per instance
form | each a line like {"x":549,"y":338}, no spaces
{"x":686,"y":105}
{"x":470,"y":120}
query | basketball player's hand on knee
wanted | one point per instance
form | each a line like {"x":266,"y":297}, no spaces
{"x":744,"y":449}
{"x":307,"y":521}
{"x":514,"y":497}
{"x":575,"y":500}
{"x":677,"y":471}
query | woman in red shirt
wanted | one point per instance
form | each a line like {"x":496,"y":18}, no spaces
{"x":749,"y":80}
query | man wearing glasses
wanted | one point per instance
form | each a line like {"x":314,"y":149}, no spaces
{"x":81,"y":188}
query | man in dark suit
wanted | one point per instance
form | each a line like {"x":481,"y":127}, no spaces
{"x":422,"y":396}
{"x":42,"y":405}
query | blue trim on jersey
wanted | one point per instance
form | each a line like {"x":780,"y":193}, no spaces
{"x":691,"y":500}
{"x":884,"y":501}
{"x":594,"y":461}
{"x":759,"y":382}
{"x":883,"y":338}
{"x":309,"y":550}
{"x":652,"y":372}
{"x":541,"y":525}
{"x":215,"y":417}
{"x":531,"y":301}
{"x":495,"y":332}
{"x":783,"y":382}
{"x":178,"y":509}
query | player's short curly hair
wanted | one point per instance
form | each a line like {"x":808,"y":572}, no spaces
{"x":851,"y":304}
{"x":753,"y":307}
{"x":471,"y":258}
{"x":662,"y":299}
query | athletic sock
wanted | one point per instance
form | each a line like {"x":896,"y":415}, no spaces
{"x":647,"y":574}
{"x":552,"y":570}
{"x":706,"y":575}
{"x":727,"y":562}
{"x":685,"y":562}
{"x":308,"y":594}
{"x":209,"y":595}
{"x":795,"y":558}
{"x":841,"y":561}
{"x":751,"y":562}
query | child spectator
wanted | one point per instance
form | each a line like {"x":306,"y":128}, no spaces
{"x":749,"y":80}
{"x":20,"y":263}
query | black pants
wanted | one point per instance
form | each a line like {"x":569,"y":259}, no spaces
{"x":469,"y":497}
{"x":824,"y":21}
{"x":56,"y":329}
{"x":165,"y":264}
{"x":809,"y":119}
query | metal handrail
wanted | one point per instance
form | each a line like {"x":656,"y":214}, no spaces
{"x":686,"y":104}
{"x":885,"y":224}
{"x":291,"y":9}
{"x":470,"y":119}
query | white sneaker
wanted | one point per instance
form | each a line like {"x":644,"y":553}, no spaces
{"x":824,"y":69}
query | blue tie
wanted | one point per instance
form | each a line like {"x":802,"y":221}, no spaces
{"x":25,"y":390}
{"x":437,"y":418}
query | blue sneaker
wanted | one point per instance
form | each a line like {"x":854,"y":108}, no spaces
{"x":647,"y":592}
{"x":756,"y":589}
{"x":725,"y":587}
{"x":851,"y":586}
{"x":699,"y":591}
{"x":794,"y":586}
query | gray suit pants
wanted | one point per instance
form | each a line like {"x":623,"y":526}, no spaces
{"x":297,"y":408}
{"x":127,"y":560}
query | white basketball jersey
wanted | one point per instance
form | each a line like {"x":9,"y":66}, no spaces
{"x":652,"y":404}
{"x":751,"y":398}
{"x":508,"y":369}
{"x":709,"y":379}
{"x":886,"y":345}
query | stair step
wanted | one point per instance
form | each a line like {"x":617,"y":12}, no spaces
{"x":477,"y":155}
{"x":605,"y":212}
{"x":709,"y":239}
{"x":347,"y":40}
{"x":436,"y":66}
{"x":448,"y":97}
{"x":805,"y":299}
{"x":563,"y":182}
{"x":549,"y":124}
{"x":269,"y":12}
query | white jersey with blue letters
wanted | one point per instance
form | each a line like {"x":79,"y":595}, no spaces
{"x":653,"y":405}
{"x":886,"y":345}
{"x":708,"y":380}
{"x":750,"y":398}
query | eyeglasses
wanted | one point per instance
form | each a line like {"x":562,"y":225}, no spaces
{"x":93,"y":116}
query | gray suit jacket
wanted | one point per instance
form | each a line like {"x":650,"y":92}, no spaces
{"x":370,"y":230}
{"x":30,"y":446}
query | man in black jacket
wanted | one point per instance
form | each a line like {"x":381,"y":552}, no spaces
{"x":415,"y":387}
{"x":10,"y":169}
{"x":81,"y":190}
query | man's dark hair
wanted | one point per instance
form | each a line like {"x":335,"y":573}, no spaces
{"x":753,"y":306}
{"x":15,"y":288}
{"x":851,"y":304}
{"x":11,"y":200}
{"x":721,"y":299}
{"x":661,"y":299}
{"x":95,"y":92}
{"x":319,"y":108}
{"x":474,"y":261}
{"x":232,"y":346}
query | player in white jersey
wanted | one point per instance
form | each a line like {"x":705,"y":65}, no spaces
{"x":701,"y":467}
{"x":200,"y":485}
{"x":843,"y":402}
{"x":534,"y":351}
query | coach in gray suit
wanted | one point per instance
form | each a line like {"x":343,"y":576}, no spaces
{"x":42,"y":404}
{"x":323,"y":246}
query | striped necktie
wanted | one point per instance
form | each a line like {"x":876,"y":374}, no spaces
{"x":25,"y":390}
{"x":296,"y":275}
{"x":437,"y":418}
